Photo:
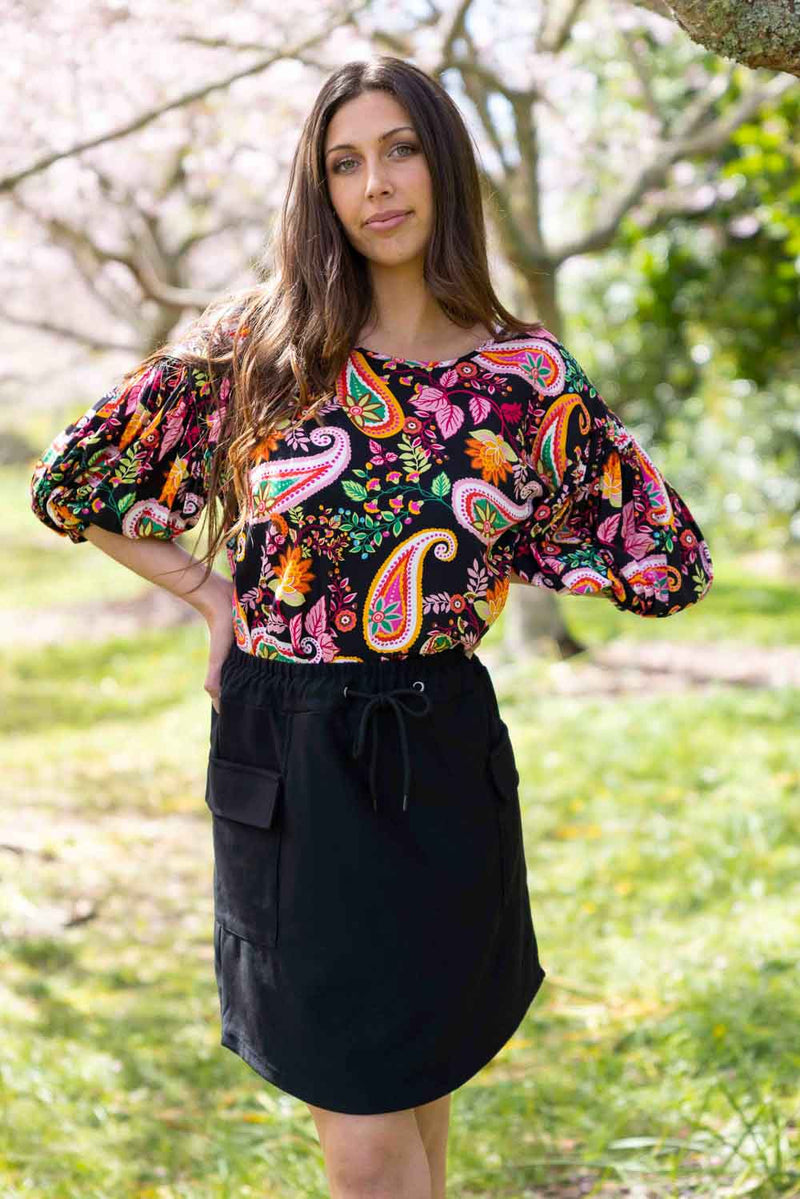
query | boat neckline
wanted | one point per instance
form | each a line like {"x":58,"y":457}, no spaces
{"x":490,"y":341}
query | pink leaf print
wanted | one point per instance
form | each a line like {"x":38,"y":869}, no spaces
{"x":479,"y":408}
{"x":430,"y":398}
{"x":173,"y":428}
{"x":638,"y":542}
{"x":607,"y":529}
{"x":295,"y":630}
{"x":449,"y":418}
{"x":316,"y":620}
{"x":327,"y":647}
{"x":152,"y":377}
{"x":215,"y":425}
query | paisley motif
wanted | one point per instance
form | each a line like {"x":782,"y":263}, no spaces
{"x":282,"y":483}
{"x":550,"y":449}
{"x":660,"y":510}
{"x":393,"y":606}
{"x":148,"y":518}
{"x":652,"y":576}
{"x":241,"y":630}
{"x":531,"y":358}
{"x":486,"y":510}
{"x":584,"y":580}
{"x":367,"y":399}
{"x":266,"y":645}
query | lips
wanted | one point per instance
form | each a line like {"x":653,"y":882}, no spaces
{"x":380,"y":217}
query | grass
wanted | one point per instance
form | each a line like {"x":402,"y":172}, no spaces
{"x":662,"y":834}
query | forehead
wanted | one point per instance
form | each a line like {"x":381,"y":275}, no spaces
{"x":365,"y":118}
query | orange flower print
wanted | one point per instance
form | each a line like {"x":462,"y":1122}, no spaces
{"x":294,"y":579}
{"x":133,"y":426}
{"x":612,"y":480}
{"x":177,"y":473}
{"x":490,"y":454}
{"x":345,"y":620}
{"x":264,"y":448}
{"x":496,"y":597}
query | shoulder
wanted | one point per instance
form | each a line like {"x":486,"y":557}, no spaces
{"x":534,"y":356}
{"x":543,"y":362}
{"x":176,"y":386}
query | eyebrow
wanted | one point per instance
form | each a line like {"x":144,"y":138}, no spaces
{"x":383,"y":136}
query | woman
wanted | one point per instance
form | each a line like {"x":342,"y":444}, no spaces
{"x":391,"y":448}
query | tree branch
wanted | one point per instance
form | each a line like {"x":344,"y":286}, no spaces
{"x":763,"y":34}
{"x":84,"y":339}
{"x":8,"y":182}
{"x":554,"y":43}
{"x":707,"y":141}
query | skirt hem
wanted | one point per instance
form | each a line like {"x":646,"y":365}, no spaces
{"x":444,"y":1086}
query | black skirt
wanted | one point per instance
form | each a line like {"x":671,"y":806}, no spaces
{"x":373,"y":939}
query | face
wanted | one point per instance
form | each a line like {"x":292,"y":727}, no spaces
{"x":374,"y":162}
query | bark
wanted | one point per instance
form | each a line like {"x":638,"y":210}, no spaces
{"x":757,"y":33}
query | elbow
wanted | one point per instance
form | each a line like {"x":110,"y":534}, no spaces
{"x":50,"y":505}
{"x":656,"y":587}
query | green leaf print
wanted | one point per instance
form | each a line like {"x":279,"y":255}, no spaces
{"x":699,"y":579}
{"x":440,"y":486}
{"x":413,"y":457}
{"x":354,"y":491}
{"x":127,"y":468}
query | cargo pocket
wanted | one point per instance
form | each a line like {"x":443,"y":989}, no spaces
{"x":245,"y":802}
{"x":505,"y":780}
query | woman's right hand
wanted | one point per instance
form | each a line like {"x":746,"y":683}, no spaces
{"x":219,"y":617}
{"x":179,"y":572}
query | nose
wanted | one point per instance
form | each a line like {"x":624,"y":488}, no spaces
{"x":377,"y":181}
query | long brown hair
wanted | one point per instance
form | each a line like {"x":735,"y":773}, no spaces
{"x":283,"y":341}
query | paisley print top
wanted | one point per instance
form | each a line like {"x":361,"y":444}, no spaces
{"x":393,"y":527}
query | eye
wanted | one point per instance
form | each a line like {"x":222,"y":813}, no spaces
{"x":399,"y":146}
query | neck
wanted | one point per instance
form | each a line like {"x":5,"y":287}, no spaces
{"x":405,"y":316}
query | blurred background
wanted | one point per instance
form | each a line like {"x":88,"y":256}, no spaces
{"x":642,"y":193}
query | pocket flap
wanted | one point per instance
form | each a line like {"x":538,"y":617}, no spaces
{"x":504,"y":766}
{"x":236,"y":791}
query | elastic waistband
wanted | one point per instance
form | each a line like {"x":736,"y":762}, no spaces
{"x":304,"y":685}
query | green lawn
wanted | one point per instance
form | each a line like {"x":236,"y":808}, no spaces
{"x":661,"y":1057}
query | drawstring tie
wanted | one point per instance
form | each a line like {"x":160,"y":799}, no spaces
{"x":388,"y":699}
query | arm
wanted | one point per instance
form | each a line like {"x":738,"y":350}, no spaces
{"x":130,"y":476}
{"x":171,"y":567}
{"x":608,"y":523}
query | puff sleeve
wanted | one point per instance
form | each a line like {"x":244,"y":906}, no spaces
{"x":136,"y":462}
{"x":607,"y":522}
